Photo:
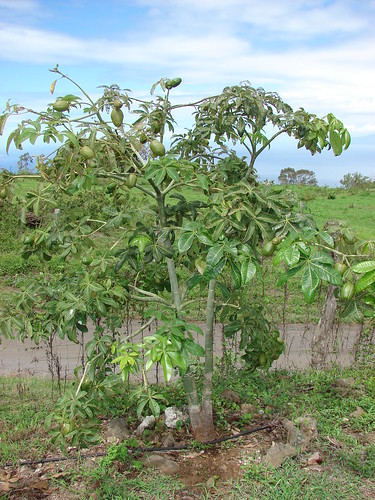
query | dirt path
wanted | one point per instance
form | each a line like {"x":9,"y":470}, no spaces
{"x":17,"y":358}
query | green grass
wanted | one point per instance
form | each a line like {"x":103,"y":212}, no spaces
{"x":347,"y":470}
{"x":22,"y":432}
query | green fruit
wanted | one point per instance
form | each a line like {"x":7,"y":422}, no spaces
{"x":87,"y":152}
{"x":3,"y":194}
{"x":86,"y":383}
{"x":341,"y":267}
{"x":131,"y":181}
{"x":349,"y":237}
{"x":175,"y":82}
{"x":87,"y":260}
{"x":280,"y":340}
{"x":117,"y":117}
{"x":155,"y":127}
{"x":143,"y":138}
{"x":61,"y":105}
{"x":111,"y":187}
{"x":268,"y":249}
{"x":157,"y":148}
{"x":117,"y":103}
{"x":347,"y":291}
{"x":67,"y":427}
{"x":262,"y":360}
{"x":276,"y":241}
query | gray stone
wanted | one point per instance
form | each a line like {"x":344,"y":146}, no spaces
{"x":173,"y":415}
{"x":278,"y":453}
{"x":210,"y":483}
{"x":118,"y":429}
{"x":168,"y":441}
{"x":248,"y":409}
{"x":346,"y":382}
{"x":301,"y":434}
{"x":147,"y":423}
{"x":163,"y":464}
{"x":359,"y":412}
{"x":230,"y":396}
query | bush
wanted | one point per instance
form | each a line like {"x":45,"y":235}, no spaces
{"x":13,"y":264}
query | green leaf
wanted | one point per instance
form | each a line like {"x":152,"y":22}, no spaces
{"x":336,"y":143}
{"x":3,"y":119}
{"x":364,"y":267}
{"x":173,"y":174}
{"x":310,"y":282}
{"x":185,"y":242}
{"x":202,"y":181}
{"x":167,"y":366}
{"x":236,"y":275}
{"x":327,"y":238}
{"x":215,"y":254}
{"x":194,"y":348}
{"x":292,"y":255}
{"x":194,"y":280}
{"x":327,"y":273}
{"x":365,"y":281}
{"x":322,"y":257}
{"x":248,"y":271}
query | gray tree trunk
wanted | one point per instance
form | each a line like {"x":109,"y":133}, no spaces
{"x":323,"y":335}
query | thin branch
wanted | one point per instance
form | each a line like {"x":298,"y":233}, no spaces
{"x":140,"y":329}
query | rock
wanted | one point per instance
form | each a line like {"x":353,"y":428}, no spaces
{"x":210,"y":483}
{"x":248,"y":409}
{"x":118,"y":429}
{"x":346,"y":382}
{"x":163,"y":464}
{"x":230,"y":396}
{"x":173,"y":415}
{"x":359,"y":412}
{"x":278,"y":453}
{"x":315,"y":458}
{"x":302,"y":434}
{"x":147,"y":423}
{"x":168,"y":441}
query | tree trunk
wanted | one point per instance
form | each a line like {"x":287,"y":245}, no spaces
{"x":201,"y":416}
{"x":322,"y":339}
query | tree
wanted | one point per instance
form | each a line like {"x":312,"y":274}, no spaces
{"x":306,"y":177}
{"x":287,"y":176}
{"x":23,"y":164}
{"x":356,"y":180}
{"x":302,"y":176}
{"x":203,"y":223}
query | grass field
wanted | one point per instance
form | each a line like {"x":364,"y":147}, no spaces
{"x":345,"y":443}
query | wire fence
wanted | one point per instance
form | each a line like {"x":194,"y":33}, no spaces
{"x":59,"y":358}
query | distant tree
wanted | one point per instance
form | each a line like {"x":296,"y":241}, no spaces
{"x":356,"y":180}
{"x":306,"y":177}
{"x":287,"y":176}
{"x":302,"y":176}
{"x":23,"y":164}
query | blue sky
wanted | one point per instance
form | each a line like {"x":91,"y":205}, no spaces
{"x":316,"y":54}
